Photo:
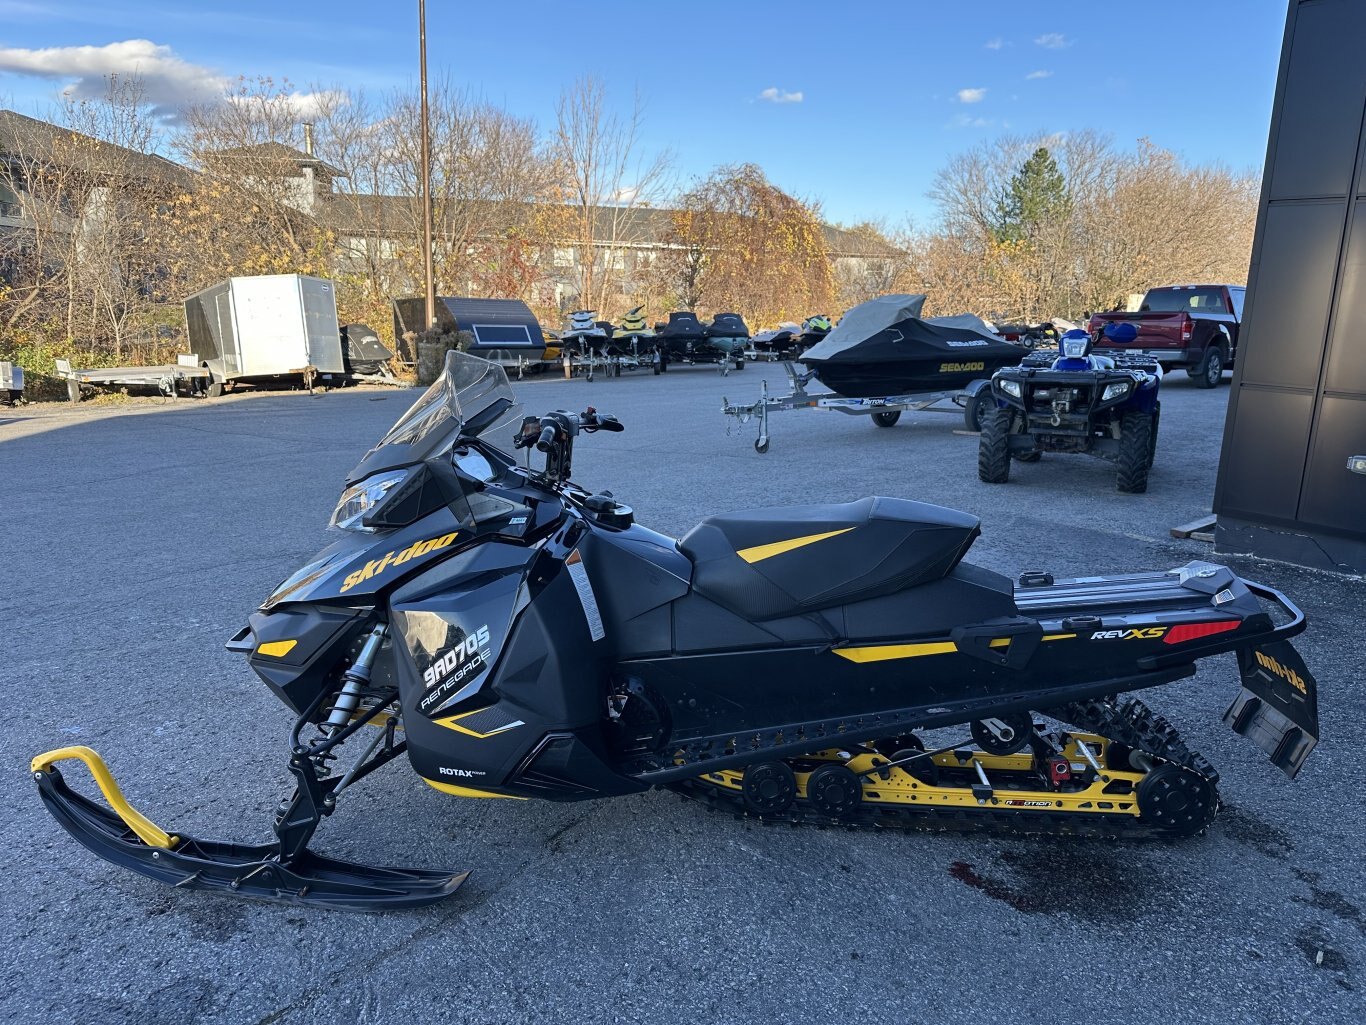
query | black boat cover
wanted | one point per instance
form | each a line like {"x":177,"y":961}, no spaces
{"x":682,"y":325}
{"x":727,"y":325}
{"x":885,"y":347}
{"x":362,"y":351}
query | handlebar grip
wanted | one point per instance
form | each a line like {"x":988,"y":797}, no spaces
{"x":610,"y":423}
{"x":546,"y":440}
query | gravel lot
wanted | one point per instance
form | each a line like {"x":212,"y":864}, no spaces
{"x":137,"y":539}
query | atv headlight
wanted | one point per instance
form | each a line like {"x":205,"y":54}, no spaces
{"x":1115,"y":391}
{"x":1011,"y":388}
{"x":360,"y":498}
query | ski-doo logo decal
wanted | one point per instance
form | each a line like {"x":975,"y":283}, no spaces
{"x":396,"y":558}
{"x":1143,"y":633}
{"x":954,"y":368}
{"x":587,"y":598}
{"x":1284,"y":672}
{"x":461,"y":660}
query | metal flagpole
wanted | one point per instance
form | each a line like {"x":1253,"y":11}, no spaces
{"x":426,"y":169}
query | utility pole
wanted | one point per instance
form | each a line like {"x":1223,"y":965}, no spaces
{"x":426,"y":169}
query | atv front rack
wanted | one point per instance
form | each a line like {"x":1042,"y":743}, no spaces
{"x":124,"y":836}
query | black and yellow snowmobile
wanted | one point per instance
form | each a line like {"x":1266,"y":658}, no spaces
{"x":518,"y":636}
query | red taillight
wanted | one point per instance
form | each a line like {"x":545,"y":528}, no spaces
{"x":1187,"y":327}
{"x":1190,"y":631}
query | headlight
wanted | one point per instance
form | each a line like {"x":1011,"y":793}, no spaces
{"x":1011,"y":388}
{"x":1114,"y":391}
{"x":359,"y":499}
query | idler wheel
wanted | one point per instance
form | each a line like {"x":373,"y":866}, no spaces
{"x":1176,"y":800}
{"x":1014,"y":729}
{"x":768,"y":788}
{"x":834,"y":790}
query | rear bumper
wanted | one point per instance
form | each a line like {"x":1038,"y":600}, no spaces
{"x":1173,"y":356}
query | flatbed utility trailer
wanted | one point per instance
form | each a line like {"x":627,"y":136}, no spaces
{"x":885,"y":410}
{"x":185,"y":375}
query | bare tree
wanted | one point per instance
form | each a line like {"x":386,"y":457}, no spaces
{"x":604,"y":180}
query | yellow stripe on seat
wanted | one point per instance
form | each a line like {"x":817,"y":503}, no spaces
{"x":760,"y":552}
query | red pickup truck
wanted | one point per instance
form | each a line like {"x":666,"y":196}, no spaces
{"x":1191,"y":326}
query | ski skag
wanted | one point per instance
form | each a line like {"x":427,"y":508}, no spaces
{"x":507,"y":633}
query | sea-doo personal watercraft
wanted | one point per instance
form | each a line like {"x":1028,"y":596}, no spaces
{"x":584,"y":334}
{"x":884,"y":347}
{"x":516,"y":635}
{"x":686,"y":340}
{"x":728,"y":332}
{"x":813,"y":330}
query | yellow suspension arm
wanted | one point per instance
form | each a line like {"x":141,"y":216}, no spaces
{"x":150,"y":833}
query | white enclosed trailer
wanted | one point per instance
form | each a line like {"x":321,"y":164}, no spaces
{"x":263,"y":328}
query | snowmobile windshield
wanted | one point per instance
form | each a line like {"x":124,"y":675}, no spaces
{"x":471,"y":398}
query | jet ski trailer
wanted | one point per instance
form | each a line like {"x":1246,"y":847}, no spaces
{"x":973,"y":401}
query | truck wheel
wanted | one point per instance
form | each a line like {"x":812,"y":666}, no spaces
{"x":1210,"y":370}
{"x":993,"y":446}
{"x":887,"y":418}
{"x":1135,"y":452}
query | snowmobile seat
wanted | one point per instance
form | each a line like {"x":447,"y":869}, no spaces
{"x":768,"y":563}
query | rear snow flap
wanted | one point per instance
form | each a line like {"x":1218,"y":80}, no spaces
{"x":1278,"y":707}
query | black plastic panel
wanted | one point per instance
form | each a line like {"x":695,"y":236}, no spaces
{"x":1261,"y":472}
{"x":1282,"y":343}
{"x":1313,"y":154}
{"x":1333,"y":497}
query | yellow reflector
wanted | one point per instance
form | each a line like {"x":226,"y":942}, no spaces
{"x":276,"y":649}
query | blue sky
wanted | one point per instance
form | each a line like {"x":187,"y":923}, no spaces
{"x":864,"y":100}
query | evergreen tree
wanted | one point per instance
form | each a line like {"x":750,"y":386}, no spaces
{"x":1035,"y":195}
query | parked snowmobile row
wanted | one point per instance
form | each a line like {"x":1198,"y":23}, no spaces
{"x":517,"y":635}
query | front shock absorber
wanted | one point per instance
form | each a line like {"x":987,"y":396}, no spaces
{"x":354,"y":681}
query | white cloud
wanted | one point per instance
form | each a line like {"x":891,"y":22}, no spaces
{"x":1038,"y":74}
{"x":304,"y":106}
{"x":776,"y":95}
{"x":626,"y":195}
{"x":968,"y":121}
{"x":1052,"y":41}
{"x":971,"y":95}
{"x":168,"y":82}
{"x":995,"y":44}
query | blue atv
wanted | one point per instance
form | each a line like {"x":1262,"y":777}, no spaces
{"x":1069,"y":400}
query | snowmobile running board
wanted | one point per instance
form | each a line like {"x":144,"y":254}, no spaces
{"x":128,"y":838}
{"x":886,"y":408}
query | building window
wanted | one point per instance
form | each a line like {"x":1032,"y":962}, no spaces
{"x":614,"y":259}
{"x":563,"y":256}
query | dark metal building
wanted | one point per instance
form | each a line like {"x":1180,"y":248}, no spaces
{"x":1289,"y":487}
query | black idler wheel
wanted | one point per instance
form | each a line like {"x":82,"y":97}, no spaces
{"x":1020,"y":726}
{"x":768,"y":788}
{"x":834,"y":790}
{"x":1176,"y":800}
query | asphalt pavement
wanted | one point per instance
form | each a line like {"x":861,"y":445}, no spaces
{"x":136,"y":539}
